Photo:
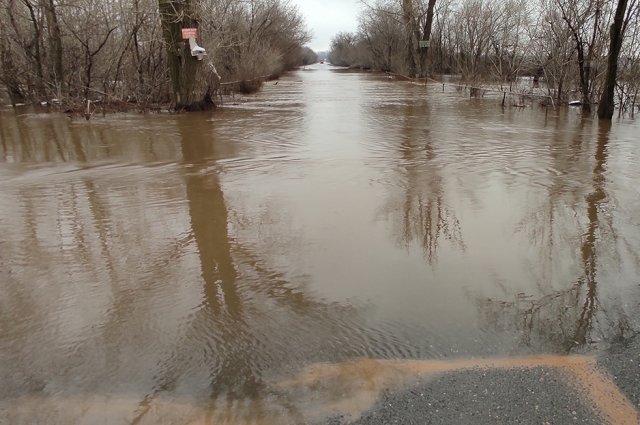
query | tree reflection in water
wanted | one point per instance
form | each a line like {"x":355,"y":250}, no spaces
{"x":425,"y":216}
{"x":567,"y":319}
{"x":221,"y":340}
{"x":185,"y":313}
{"x":178,"y":319}
{"x":229,"y":373}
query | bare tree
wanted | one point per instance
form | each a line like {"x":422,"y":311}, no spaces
{"x":125,"y":52}
{"x":585,"y":21}
{"x":192,"y":85}
{"x":9,"y":74}
{"x":55,"y":45}
{"x":498,"y":42}
{"x":84,"y":24}
{"x":552,"y":51}
{"x":410,"y":31}
{"x":343,"y":49}
{"x":509,"y":48}
{"x":618,"y":28}
{"x":426,"y":20}
{"x":381,"y":32}
{"x":628,"y":81}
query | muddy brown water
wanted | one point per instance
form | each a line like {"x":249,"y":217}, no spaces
{"x":183,"y":269}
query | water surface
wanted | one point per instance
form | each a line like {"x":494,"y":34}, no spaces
{"x":177,"y":269}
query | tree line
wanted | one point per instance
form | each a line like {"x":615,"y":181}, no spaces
{"x":589,"y":49}
{"x":132,"y":51}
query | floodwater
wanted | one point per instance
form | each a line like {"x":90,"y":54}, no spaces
{"x":187,"y":269}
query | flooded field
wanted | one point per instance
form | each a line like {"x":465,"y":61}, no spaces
{"x":161,"y":269}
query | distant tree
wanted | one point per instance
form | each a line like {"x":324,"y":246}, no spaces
{"x":584,"y":19}
{"x":55,"y":45}
{"x":308,"y":56}
{"x":628,"y":81}
{"x":508,"y":49}
{"x":343,"y":49}
{"x":427,"y":24}
{"x":552,"y":51}
{"x":410,"y":39}
{"x":9,"y":71}
{"x":417,"y":16}
{"x":382,"y":33}
{"x":91,"y":26}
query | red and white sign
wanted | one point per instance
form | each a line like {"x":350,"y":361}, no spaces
{"x":188,"y":33}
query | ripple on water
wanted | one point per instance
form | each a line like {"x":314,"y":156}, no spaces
{"x":179,"y":268}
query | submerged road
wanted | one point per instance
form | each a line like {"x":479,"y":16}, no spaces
{"x":336,"y":248}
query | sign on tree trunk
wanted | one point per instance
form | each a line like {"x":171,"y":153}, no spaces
{"x":188,"y":33}
{"x":192,"y":82}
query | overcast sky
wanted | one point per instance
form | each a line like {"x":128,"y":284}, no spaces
{"x":326,"y":18}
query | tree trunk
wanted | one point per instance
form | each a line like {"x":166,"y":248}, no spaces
{"x":584,"y":79}
{"x":37,"y":56}
{"x":409,"y":25}
{"x":606,"y":106}
{"x":191,"y":83}
{"x":55,"y":44}
{"x":584,"y":63}
{"x":8,"y":70}
{"x":88,"y":68}
{"x":426,"y":35}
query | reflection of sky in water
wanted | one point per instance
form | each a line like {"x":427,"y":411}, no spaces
{"x":332,"y":216}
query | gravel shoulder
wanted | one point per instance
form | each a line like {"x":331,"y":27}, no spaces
{"x":538,"y":396}
{"x":520,"y":395}
{"x":622,"y":363}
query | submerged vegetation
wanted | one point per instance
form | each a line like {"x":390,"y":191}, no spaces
{"x":131,"y":53}
{"x":570,"y":46}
